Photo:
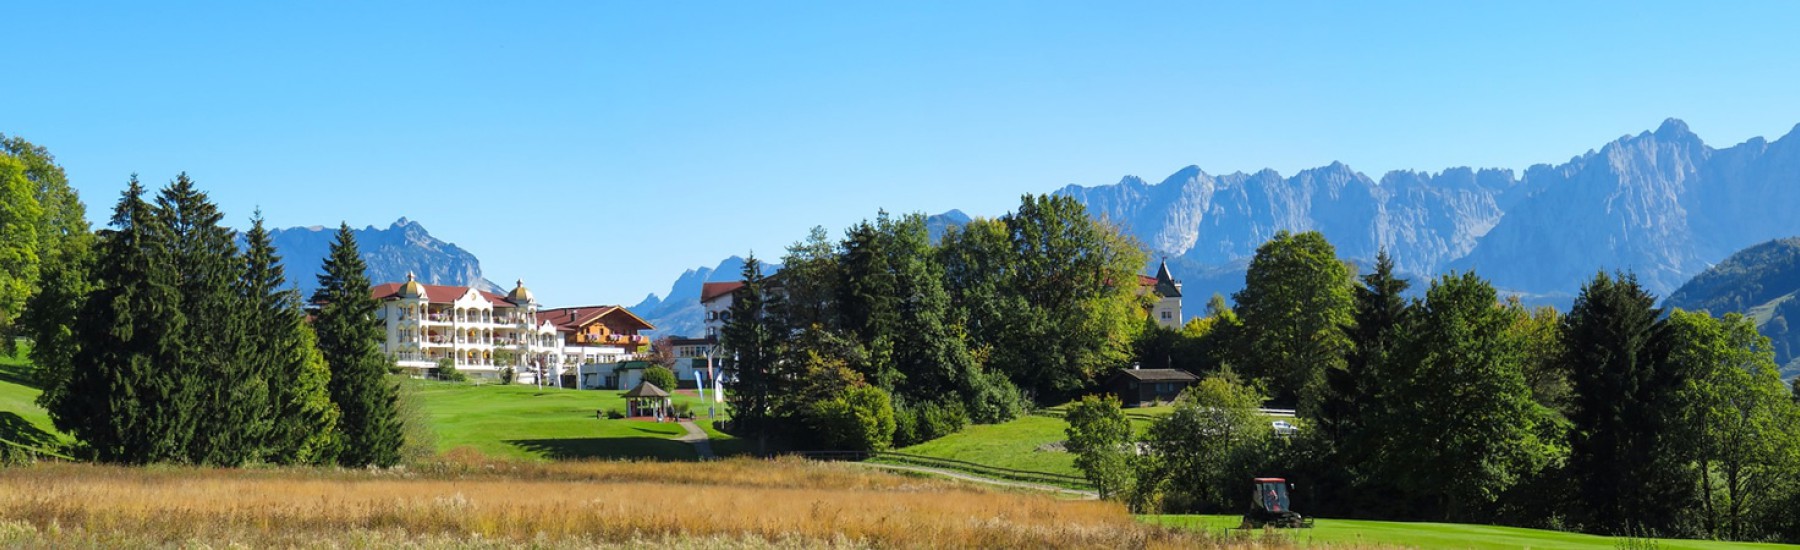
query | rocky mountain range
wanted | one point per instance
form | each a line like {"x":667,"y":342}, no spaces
{"x":1660,"y":204}
{"x":390,"y":253}
{"x":679,"y":313}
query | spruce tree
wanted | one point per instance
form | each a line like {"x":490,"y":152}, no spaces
{"x":233,"y":412}
{"x":124,"y":394}
{"x":1620,"y":460}
{"x":369,"y":428}
{"x":283,"y":347}
{"x":1350,"y":403}
{"x":750,"y":345}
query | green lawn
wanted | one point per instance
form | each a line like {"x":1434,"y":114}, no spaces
{"x":521,"y":421}
{"x":1444,"y":535}
{"x":21,"y":420}
{"x":1015,"y":444}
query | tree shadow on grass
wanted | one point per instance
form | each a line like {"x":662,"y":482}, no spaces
{"x":652,"y":448}
{"x":18,"y":374}
{"x":15,"y":430}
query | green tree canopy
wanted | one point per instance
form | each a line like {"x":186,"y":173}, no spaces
{"x":1295,"y":305}
{"x":1736,"y":416}
{"x":1459,"y":427}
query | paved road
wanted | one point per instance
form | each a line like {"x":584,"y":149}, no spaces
{"x":985,"y":480}
{"x":698,"y":438}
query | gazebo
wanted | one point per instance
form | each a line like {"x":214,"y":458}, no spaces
{"x":645,"y":400}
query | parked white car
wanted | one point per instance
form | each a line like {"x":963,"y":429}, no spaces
{"x":1283,"y":427}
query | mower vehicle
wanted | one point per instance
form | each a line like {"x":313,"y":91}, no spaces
{"x":1269,"y":506}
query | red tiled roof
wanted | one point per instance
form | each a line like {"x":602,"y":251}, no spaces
{"x":711,"y":291}
{"x":437,"y":294}
{"x":571,"y":319}
{"x":1146,"y":280}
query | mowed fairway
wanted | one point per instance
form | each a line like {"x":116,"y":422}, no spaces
{"x":1335,"y":532}
{"x":518,"y":421}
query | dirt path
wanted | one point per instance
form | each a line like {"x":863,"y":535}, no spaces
{"x":953,"y":474}
{"x":697,"y":437}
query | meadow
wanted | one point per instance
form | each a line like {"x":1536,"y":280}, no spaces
{"x":466,"y":500}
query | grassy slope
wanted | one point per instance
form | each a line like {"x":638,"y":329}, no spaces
{"x":17,"y":397}
{"x":1442,"y":535}
{"x":527,"y":422}
{"x":1015,"y":444}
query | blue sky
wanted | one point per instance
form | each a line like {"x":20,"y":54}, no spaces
{"x":598,"y":149}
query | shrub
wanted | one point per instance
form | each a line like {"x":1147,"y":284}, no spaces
{"x":615,"y":413}
{"x":1098,"y":432}
{"x":446,"y":371}
{"x":507,"y":375}
{"x":661,"y":376}
{"x":862,"y":419}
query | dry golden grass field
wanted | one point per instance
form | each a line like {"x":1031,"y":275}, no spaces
{"x":465,"y":500}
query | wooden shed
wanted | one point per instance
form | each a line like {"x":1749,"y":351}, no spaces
{"x":1139,"y":387}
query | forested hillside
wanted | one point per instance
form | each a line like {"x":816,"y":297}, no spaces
{"x":1760,"y":282}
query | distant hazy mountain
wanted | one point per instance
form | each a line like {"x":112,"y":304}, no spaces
{"x":1661,"y":204}
{"x":390,"y":253}
{"x":1763,"y":282}
{"x":679,"y":313}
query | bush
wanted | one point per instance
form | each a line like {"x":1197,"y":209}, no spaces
{"x":507,"y":375}
{"x":993,"y":399}
{"x":446,"y":371}
{"x":615,"y":413}
{"x":918,"y":423}
{"x":860,"y":420}
{"x":683,"y":410}
{"x":661,"y":376}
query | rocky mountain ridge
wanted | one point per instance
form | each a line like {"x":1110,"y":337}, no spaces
{"x":392,"y":252}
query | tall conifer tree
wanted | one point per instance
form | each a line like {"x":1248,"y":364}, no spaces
{"x":1350,"y":402}
{"x":283,"y":347}
{"x":750,"y":345}
{"x":122,"y":393}
{"x":1619,"y":459}
{"x":233,"y":412}
{"x":369,"y":430}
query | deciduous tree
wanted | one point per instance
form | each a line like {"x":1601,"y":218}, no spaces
{"x":1295,"y":306}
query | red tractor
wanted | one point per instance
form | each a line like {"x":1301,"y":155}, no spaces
{"x":1269,"y":506}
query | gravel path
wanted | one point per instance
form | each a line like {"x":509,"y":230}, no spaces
{"x":697,"y":437}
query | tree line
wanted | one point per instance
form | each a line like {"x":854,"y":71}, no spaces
{"x":883,"y":338}
{"x":1615,"y":417}
{"x":160,"y":339}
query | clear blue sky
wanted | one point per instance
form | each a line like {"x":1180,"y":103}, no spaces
{"x":598,"y":149}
